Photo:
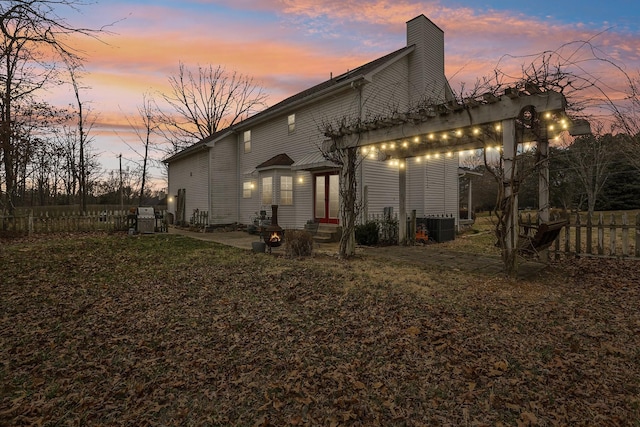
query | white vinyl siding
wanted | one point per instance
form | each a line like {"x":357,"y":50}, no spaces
{"x":381,"y":179}
{"x":190,"y":174}
{"x":432,"y":186}
{"x":224,"y":182}
{"x":389,"y":90}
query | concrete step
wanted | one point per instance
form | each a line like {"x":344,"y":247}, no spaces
{"x":327,"y":233}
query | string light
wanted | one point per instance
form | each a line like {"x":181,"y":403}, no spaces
{"x":370,"y":151}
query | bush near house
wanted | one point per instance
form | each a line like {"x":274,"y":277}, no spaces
{"x":367,"y":234}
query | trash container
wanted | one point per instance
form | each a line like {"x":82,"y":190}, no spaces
{"x":145,"y":220}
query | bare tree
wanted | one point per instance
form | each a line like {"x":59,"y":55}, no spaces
{"x":145,"y":126}
{"x":84,"y":126}
{"x":627,"y":121}
{"x":33,"y":39}
{"x":204,"y":101}
{"x":589,"y":158}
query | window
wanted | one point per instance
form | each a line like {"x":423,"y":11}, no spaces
{"x":246,"y":137}
{"x":267,"y":190}
{"x":247,"y":187}
{"x":286,"y":190}
{"x":291,"y":120}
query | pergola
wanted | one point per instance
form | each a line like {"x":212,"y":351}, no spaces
{"x":517,"y":116}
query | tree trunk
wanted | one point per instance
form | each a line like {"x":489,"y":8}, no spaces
{"x":348,"y":193}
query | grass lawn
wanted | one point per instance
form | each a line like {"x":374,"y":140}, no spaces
{"x":103,"y":329}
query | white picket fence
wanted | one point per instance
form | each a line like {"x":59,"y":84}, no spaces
{"x":55,"y":222}
{"x":599,"y":235}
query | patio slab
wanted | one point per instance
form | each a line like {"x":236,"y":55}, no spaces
{"x":420,"y":255}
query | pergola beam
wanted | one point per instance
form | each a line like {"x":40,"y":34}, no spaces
{"x":448,"y":119}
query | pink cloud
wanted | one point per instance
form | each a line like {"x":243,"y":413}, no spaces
{"x":300,"y":42}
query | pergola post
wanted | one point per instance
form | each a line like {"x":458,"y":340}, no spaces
{"x":402,"y":201}
{"x":469,"y":200}
{"x":510,"y":197}
{"x":543,"y":189}
{"x":543,"y":181}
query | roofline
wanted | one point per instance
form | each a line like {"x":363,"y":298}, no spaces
{"x":284,"y":106}
{"x":203,"y":144}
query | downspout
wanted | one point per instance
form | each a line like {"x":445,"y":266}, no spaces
{"x":239,"y":182}
{"x":209,"y":186}
{"x":358,"y":86}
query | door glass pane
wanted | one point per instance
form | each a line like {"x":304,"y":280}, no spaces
{"x":334,"y":192}
{"x":320,"y":197}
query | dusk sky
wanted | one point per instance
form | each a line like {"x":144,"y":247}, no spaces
{"x":289,"y":45}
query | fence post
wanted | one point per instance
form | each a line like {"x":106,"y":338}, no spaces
{"x":625,"y":235}
{"x":612,"y":235}
{"x":578,"y":236}
{"x":589,"y":233}
{"x":601,"y":234}
{"x":567,"y":236}
{"x":30,"y":223}
{"x":638,"y":235}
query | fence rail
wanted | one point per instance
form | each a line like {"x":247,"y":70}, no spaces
{"x":598,"y":235}
{"x":55,"y":222}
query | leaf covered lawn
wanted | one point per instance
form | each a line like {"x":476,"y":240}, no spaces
{"x":166,"y":330}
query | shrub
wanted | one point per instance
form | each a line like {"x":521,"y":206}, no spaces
{"x":367,"y":234}
{"x":298,"y":243}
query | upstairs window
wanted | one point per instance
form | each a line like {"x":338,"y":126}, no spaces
{"x":291,"y":121}
{"x":286,"y":190}
{"x":267,"y":190}
{"x":246,"y":138}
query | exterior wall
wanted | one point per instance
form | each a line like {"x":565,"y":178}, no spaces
{"x":432,"y":186}
{"x":192,"y":174}
{"x":388,"y":91}
{"x":272,"y":137}
{"x":395,"y":87}
{"x":381,"y":182}
{"x":224,"y":182}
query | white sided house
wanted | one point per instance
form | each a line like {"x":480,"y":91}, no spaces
{"x":274,"y":157}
